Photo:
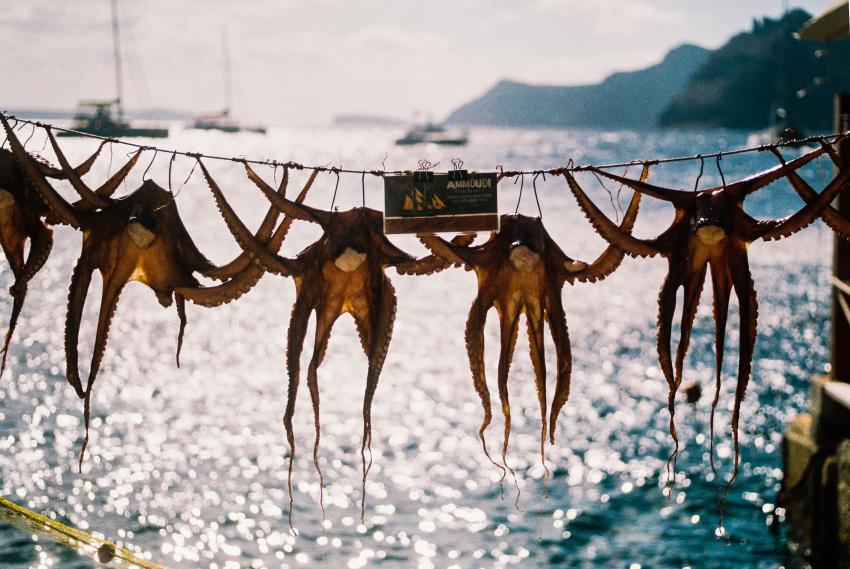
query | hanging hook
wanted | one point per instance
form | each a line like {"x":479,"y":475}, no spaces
{"x":521,"y":178}
{"x":534,"y":188}
{"x":719,"y":169}
{"x":111,"y":155}
{"x":30,"y":136}
{"x":335,"y":170}
{"x":189,"y":177}
{"x":701,"y":168}
{"x":144,"y":175}
{"x":610,"y":195}
{"x":363,"y":187}
{"x":170,"y":164}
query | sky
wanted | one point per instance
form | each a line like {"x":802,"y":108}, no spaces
{"x":301,"y":62}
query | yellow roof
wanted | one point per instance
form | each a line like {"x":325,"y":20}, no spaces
{"x":831,"y":24}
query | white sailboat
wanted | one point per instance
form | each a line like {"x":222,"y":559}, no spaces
{"x":222,"y":120}
{"x":106,"y":117}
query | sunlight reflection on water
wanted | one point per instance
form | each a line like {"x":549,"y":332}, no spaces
{"x":190,"y":464}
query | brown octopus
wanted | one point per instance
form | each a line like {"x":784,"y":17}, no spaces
{"x":711,"y":229}
{"x":342,"y":272}
{"x":137,"y":237}
{"x":521,"y":269}
{"x":23,"y":216}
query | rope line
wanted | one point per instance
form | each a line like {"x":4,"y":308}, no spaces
{"x":554,"y":171}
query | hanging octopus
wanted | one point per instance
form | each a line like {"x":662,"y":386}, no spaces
{"x":22,"y":217}
{"x":342,"y":272}
{"x":522,"y":270}
{"x":137,"y":237}
{"x":710,"y":230}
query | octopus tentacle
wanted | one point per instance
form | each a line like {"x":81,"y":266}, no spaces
{"x":805,"y":216}
{"x":384,"y":319}
{"x":298,"y":211}
{"x":13,"y":246}
{"x":80,"y":281}
{"x":17,"y":305}
{"x":693,"y":291}
{"x":475,"y":350}
{"x":679,"y":198}
{"x":180,"y":304}
{"x":80,"y":170}
{"x":443,"y":249}
{"x":608,"y":229}
{"x":324,"y":324}
{"x":534,"y":325}
{"x":666,"y":310}
{"x":55,"y":202}
{"x":112,"y":288}
{"x":109,"y":303}
{"x":509,"y":322}
{"x":721,"y":283}
{"x":830,"y":215}
{"x":557,"y":318}
{"x":264,"y":233}
{"x":228,"y":291}
{"x":96,"y":198}
{"x":744,"y":289}
{"x":249,"y":275}
{"x":294,"y":345}
{"x":612,"y":257}
{"x":247,"y":241}
{"x":747,"y":186}
{"x":434,"y":263}
{"x":40,"y":245}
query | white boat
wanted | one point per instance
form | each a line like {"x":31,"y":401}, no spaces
{"x":434,"y":133}
{"x":222,"y":120}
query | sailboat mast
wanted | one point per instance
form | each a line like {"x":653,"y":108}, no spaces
{"x":116,"y":45}
{"x":228,"y":88}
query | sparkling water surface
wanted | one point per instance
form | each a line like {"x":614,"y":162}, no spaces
{"x":189,"y":466}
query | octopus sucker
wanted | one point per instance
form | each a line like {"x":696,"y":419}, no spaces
{"x":521,"y":270}
{"x":711,"y":229}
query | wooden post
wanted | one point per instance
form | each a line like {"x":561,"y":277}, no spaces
{"x":840,"y":337}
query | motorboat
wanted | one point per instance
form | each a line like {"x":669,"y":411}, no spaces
{"x":433,"y":133}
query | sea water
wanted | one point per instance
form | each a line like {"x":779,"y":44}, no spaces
{"x":189,"y":466}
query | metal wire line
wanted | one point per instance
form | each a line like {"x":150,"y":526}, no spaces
{"x":554,"y":171}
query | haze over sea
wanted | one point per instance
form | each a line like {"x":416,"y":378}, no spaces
{"x":190,"y":464}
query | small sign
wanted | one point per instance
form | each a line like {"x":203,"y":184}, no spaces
{"x":449,"y":202}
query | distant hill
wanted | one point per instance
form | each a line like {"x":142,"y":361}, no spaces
{"x":742,"y":83}
{"x":624,"y":100}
